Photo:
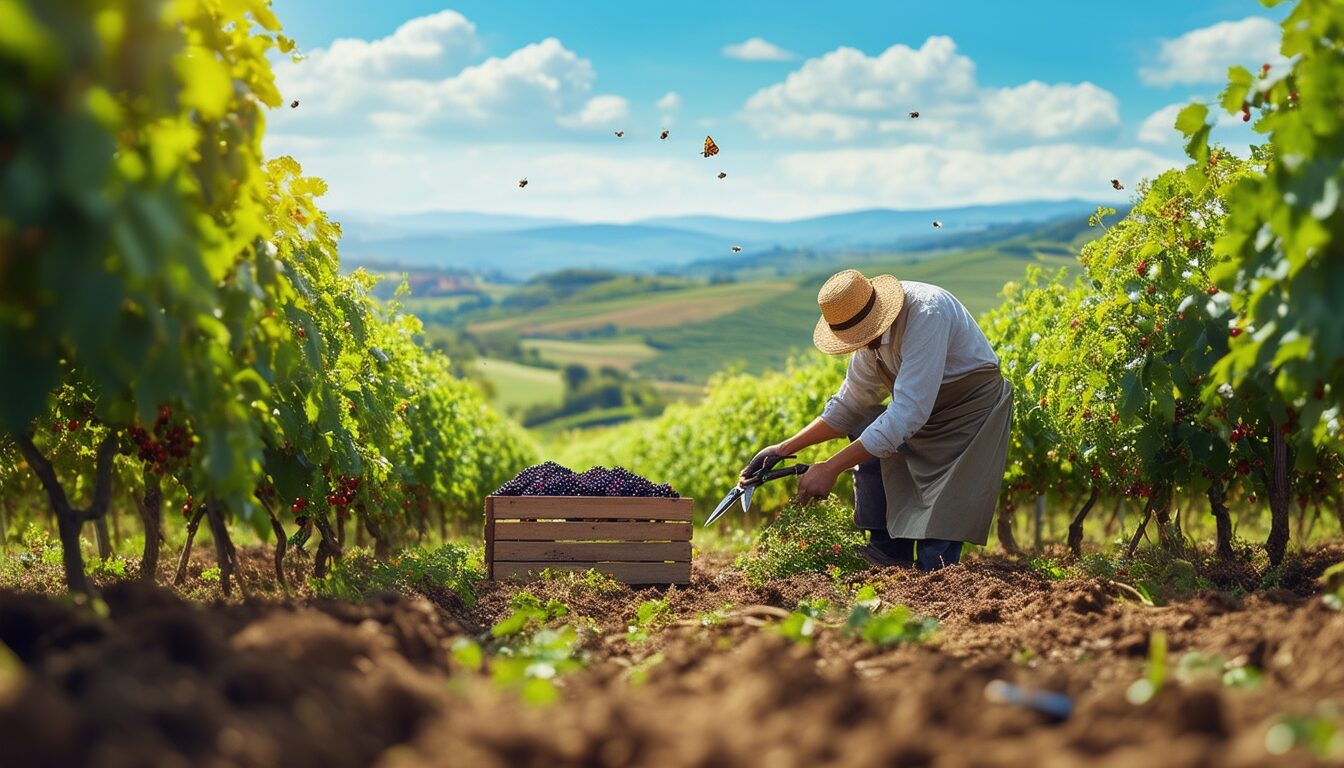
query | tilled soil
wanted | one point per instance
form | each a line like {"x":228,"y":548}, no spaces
{"x":150,"y":679}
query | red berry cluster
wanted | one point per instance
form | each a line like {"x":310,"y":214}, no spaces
{"x":1239,"y":431}
{"x":167,"y":441}
{"x":299,"y":505}
{"x":186,"y":506}
{"x":346,"y":494}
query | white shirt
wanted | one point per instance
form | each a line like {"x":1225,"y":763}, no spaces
{"x":933,"y":341}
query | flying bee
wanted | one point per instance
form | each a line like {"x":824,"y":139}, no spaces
{"x":619,"y":134}
{"x":663,"y":135}
{"x":937,"y":224}
{"x":737,"y":249}
{"x":1116,"y":184}
{"x":294,"y":104}
{"x":914,"y":115}
{"x":722,"y":175}
{"x":522,"y":182}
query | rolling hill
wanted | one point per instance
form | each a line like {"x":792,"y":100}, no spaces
{"x":519,"y":247}
{"x":687,"y":334}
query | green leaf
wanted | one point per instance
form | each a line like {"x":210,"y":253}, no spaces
{"x":1131,"y":396}
{"x":1238,"y":86}
{"x":1192,"y":119}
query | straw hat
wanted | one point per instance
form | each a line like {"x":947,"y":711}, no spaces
{"x":855,"y":310}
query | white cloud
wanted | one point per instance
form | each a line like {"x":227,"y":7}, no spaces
{"x":1160,"y":127}
{"x":1051,"y":111}
{"x":920,"y":176}
{"x":670,"y":102}
{"x":420,"y":78}
{"x":668,"y":106}
{"x":757,"y":49}
{"x":1203,"y":55}
{"x":599,"y":112}
{"x":424,"y":47}
{"x":847,"y":95}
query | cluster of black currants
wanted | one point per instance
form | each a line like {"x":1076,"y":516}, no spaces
{"x":551,"y":479}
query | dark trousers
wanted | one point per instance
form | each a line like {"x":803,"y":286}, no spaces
{"x":870,"y":513}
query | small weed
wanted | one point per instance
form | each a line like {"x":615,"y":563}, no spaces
{"x":799,"y":627}
{"x":888,"y":627}
{"x":531,"y":666}
{"x":113,"y":566}
{"x":528,"y":613}
{"x":817,"y":538}
{"x":650,"y":616}
{"x":1321,"y":732}
{"x":1098,"y":566}
{"x":716,"y":616}
{"x":864,"y":622}
{"x":1148,"y":686}
{"x":1049,"y":568}
{"x":467,"y":654}
{"x":590,"y":580}
{"x":1195,"y":666}
{"x":39,"y":549}
{"x":1332,"y":582}
{"x":211,"y":574}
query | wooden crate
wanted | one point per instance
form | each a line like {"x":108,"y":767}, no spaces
{"x":632,"y":540}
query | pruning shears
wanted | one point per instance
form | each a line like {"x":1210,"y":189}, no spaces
{"x":744,"y":489}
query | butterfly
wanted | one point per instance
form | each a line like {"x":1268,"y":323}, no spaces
{"x":711,"y":148}
{"x":937,"y":224}
{"x":1116,"y":183}
{"x":663,"y":135}
{"x":737,"y":249}
{"x":619,"y":134}
{"x":722,"y":175}
{"x":914,"y":115}
{"x":294,"y":104}
{"x":522,"y":182}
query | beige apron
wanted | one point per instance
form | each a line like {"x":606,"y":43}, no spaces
{"x":944,"y":481}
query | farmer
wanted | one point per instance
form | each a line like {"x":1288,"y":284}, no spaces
{"x":929,"y":463}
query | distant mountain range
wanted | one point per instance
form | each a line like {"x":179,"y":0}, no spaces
{"x":520,"y":246}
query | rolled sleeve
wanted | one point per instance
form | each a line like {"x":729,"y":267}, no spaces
{"x":858,"y":393}
{"x":924,"y":356}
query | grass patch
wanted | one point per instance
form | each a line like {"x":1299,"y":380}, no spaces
{"x":519,"y":387}
{"x":359,"y":574}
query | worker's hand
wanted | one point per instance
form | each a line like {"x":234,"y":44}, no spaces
{"x":759,"y":461}
{"x":816,"y":483}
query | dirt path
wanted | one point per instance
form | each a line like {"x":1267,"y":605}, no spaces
{"x":165,"y":682}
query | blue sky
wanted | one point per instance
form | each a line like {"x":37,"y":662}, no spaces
{"x":419,"y":106}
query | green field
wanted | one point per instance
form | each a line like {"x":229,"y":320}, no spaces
{"x":518,"y":387}
{"x":621,"y":353}
{"x":682,"y":333}
{"x":653,"y":310}
{"x":765,"y":335}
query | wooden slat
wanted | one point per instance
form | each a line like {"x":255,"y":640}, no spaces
{"x":627,"y":573}
{"x":590,"y":507}
{"x":579,"y":531}
{"x":589,"y":552}
{"x":489,"y":538}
